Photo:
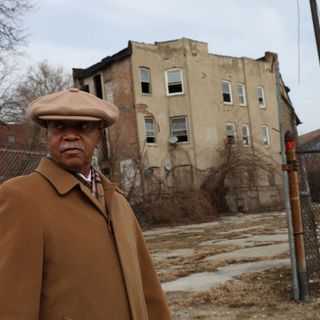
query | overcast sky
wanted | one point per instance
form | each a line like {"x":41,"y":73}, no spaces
{"x":79,"y":33}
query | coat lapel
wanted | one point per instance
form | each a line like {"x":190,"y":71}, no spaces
{"x":63,"y":181}
{"x":122,"y":223}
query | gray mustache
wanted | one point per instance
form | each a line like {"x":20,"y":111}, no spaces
{"x":71,"y":145}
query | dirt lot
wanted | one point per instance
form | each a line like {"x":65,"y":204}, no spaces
{"x":236,"y":267}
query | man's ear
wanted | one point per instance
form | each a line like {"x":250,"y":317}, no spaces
{"x":100,"y":138}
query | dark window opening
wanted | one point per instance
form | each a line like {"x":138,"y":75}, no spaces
{"x":175,"y":87}
{"x":151,"y":139}
{"x":230,"y":140}
{"x":226,"y":97}
{"x":182,"y":136}
{"x":145,"y":87}
{"x":85,"y":88}
{"x":98,"y":86}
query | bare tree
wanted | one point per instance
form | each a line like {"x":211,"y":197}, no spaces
{"x":12,"y":32}
{"x":39,"y":80}
{"x":12,"y":36}
{"x":239,"y":165}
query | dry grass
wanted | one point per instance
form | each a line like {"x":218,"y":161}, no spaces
{"x":264,"y":295}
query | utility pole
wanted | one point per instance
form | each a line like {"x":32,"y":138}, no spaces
{"x":316,"y":26}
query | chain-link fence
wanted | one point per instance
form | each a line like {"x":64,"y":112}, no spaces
{"x":16,"y":160}
{"x":309,"y":180}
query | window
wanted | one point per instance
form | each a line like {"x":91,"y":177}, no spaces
{"x":179,"y":128}
{"x":85,"y":88}
{"x":108,"y":87}
{"x":145,"y":80}
{"x":242,"y":94}
{"x":261,"y":101}
{"x":174,"y":81}
{"x":150,"y":130}
{"x":11,"y":139}
{"x":98,"y":86}
{"x":226,"y":92}
{"x":231,"y":133}
{"x":245,"y":134}
{"x":265,"y":136}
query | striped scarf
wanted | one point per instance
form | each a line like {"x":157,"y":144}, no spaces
{"x":95,"y":186}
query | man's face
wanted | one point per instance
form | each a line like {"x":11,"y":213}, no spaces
{"x":71,"y":143}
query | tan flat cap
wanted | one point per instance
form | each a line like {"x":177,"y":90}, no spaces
{"x":72,"y":104}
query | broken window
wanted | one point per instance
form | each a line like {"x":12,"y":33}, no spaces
{"x":245,"y":134}
{"x":98,"y":86}
{"x":261,"y":101}
{"x":145,"y":80}
{"x":150,"y":130}
{"x":179,"y":128}
{"x":174,"y":81}
{"x":226,"y":92}
{"x":231,"y":133}
{"x":265,"y":135}
{"x":242,"y":94}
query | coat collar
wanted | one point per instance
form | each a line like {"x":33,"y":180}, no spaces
{"x":63,"y":180}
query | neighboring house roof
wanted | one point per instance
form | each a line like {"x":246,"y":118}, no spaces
{"x":309,"y":137}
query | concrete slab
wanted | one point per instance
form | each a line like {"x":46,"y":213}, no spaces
{"x":205,"y":280}
{"x":254,"y":252}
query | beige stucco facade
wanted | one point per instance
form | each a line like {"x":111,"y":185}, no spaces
{"x":199,"y":101}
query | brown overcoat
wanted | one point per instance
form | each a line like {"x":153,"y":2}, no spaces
{"x":61,"y":259}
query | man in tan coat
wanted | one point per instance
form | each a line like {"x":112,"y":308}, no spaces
{"x":70,"y":246}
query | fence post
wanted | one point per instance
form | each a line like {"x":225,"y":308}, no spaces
{"x":292,"y":169}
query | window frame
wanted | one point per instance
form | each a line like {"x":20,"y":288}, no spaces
{"x":172,"y":131}
{"x":167,"y":82}
{"x":242,"y":94}
{"x":265,"y":134}
{"x":154,"y":136}
{"x":148,"y":82}
{"x":230,"y":91}
{"x":245,"y":125}
{"x":261,"y":95}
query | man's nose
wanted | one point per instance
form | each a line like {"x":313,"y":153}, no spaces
{"x":71,"y":134}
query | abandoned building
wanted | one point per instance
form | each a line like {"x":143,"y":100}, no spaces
{"x":192,"y":120}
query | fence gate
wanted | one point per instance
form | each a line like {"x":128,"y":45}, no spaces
{"x":309,"y":181}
